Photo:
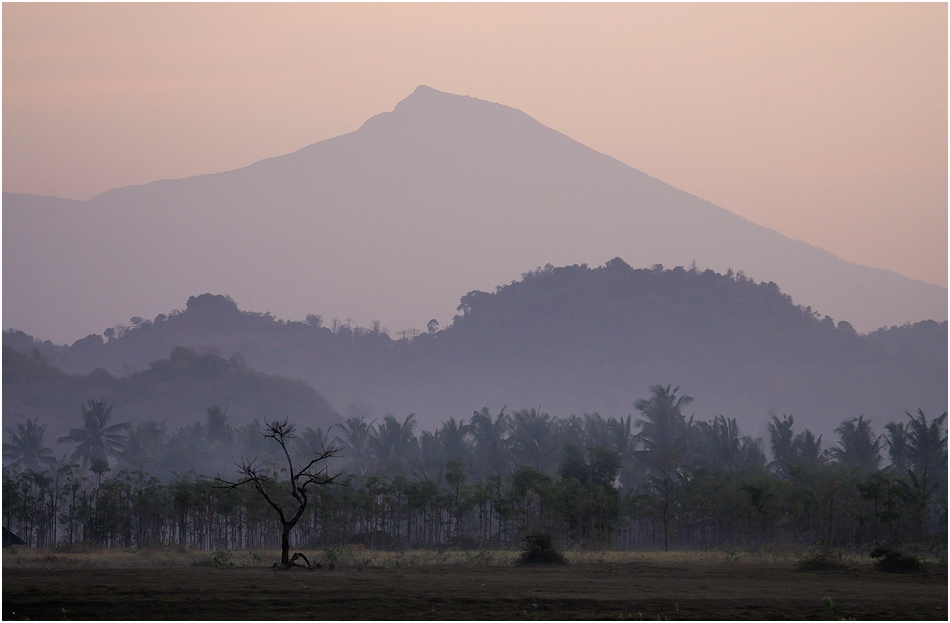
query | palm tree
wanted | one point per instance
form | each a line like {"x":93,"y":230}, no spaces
{"x":491,"y":441}
{"x":721,"y":443}
{"x":394,"y":443}
{"x":917,"y":494}
{"x":25,"y":448}
{"x":313,"y":442}
{"x":781,"y":439}
{"x":664,"y":432}
{"x":572,"y":429}
{"x":354,"y":440}
{"x":806,"y":449}
{"x":145,"y":446}
{"x":596,"y":431}
{"x":857,"y":447}
{"x":621,"y":438}
{"x":454,"y":435}
{"x":896,"y":440}
{"x":532,"y":438}
{"x":95,"y":439}
{"x":217,"y":427}
{"x":430,"y":452}
{"x":927,"y":444}
{"x":752,"y":454}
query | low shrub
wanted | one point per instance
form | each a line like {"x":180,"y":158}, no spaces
{"x":332,"y":555}
{"x":220,"y":558}
{"x":823,"y":557}
{"x":539,"y":549}
{"x":894,"y":561}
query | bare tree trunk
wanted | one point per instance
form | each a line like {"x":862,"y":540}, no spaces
{"x":285,"y":543}
{"x":666,"y":515}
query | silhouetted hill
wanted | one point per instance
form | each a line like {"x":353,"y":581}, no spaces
{"x":742,"y":348}
{"x":177,"y":390}
{"x":575,"y":339}
{"x":396,"y":220}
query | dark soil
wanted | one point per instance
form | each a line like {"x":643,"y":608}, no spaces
{"x":596,"y":591}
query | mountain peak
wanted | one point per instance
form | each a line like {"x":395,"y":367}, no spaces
{"x":424,"y":89}
{"x":430,"y":108}
{"x":427,"y":100}
{"x":426,"y":93}
{"x":424,"y":96}
{"x":445,"y":194}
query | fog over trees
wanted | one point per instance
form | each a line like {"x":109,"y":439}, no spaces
{"x":719,"y":414}
{"x":655,"y":480}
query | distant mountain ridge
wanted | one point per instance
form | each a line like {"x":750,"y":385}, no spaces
{"x":574,"y":339}
{"x":400,"y":218}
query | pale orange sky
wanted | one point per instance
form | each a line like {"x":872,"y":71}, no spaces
{"x":826,"y":122}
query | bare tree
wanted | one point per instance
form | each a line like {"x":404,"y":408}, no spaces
{"x":264,"y":478}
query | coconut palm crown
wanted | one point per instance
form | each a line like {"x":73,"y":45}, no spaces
{"x":96,"y":439}
{"x":25,"y":448}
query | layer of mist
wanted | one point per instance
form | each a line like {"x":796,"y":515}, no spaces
{"x":572,"y":340}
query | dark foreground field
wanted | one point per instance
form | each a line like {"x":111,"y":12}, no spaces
{"x":637,"y":590}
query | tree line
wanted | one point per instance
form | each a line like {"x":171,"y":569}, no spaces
{"x":654,"y":480}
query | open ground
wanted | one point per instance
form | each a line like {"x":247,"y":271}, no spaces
{"x":458,"y":585}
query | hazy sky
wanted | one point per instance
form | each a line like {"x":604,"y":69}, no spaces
{"x":825,"y":122}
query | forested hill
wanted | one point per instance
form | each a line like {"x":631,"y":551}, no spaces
{"x":573,"y":339}
{"x":176,"y":390}
{"x":675,"y":319}
{"x":742,"y":348}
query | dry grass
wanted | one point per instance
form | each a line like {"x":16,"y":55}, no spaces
{"x":359,"y":556}
{"x":26,"y":558}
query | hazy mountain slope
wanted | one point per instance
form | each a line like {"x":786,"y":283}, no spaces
{"x":176,"y":390}
{"x":739,"y":347}
{"x":575,"y":340}
{"x":399,"y":219}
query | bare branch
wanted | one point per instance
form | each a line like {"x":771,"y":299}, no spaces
{"x":252,"y":469}
{"x":328,"y":453}
{"x":280,"y":431}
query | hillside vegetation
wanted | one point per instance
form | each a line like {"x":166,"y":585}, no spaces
{"x":575,"y":339}
{"x":175,"y":391}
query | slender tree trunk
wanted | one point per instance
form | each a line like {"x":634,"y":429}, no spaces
{"x":666,"y":516}
{"x":285,"y":543}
